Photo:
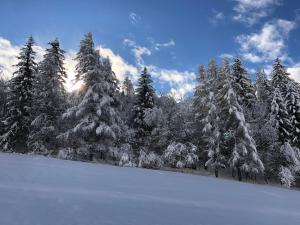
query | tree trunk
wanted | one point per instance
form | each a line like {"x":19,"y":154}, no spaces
{"x":239,"y":172}
{"x":216,"y":171}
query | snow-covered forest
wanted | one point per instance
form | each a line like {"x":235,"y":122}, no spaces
{"x":231,"y":123}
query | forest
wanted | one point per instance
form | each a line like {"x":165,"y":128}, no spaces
{"x":230,"y":122}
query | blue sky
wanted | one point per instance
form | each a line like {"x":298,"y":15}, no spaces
{"x":171,"y":37}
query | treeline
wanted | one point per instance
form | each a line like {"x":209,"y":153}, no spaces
{"x":228,"y":123}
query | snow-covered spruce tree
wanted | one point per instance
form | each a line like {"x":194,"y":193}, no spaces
{"x":212,"y":129}
{"x":127,"y":100}
{"x":263,"y":87}
{"x":96,"y":120}
{"x":160,"y":118}
{"x":212,"y":70}
{"x":280,"y":117}
{"x":292,"y":99}
{"x":179,"y":155}
{"x":144,"y":101}
{"x":200,"y":109}
{"x":19,"y":106}
{"x":3,"y":96}
{"x":49,"y":101}
{"x":244,"y":156}
{"x":280,"y":77}
{"x":288,"y":164}
{"x":290,"y":92}
{"x":286,"y":160}
{"x":127,"y":88}
{"x":242,"y":86}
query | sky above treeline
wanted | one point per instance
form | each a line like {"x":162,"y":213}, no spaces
{"x":170,"y":37}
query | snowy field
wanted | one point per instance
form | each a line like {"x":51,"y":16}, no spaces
{"x":39,"y":191}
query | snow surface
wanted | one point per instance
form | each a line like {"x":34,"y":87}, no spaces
{"x":40,"y":191}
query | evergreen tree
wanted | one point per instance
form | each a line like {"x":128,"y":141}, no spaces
{"x":212,"y":70}
{"x":244,"y":156}
{"x":144,"y":101}
{"x":201,"y":109}
{"x":49,"y":101}
{"x":293,"y":107}
{"x":127,"y":88}
{"x":280,"y":77}
{"x":20,"y":94}
{"x":290,"y":92}
{"x":212,"y":134}
{"x":96,"y":119}
{"x":263,"y":87}
{"x":243,"y":88}
{"x":280,"y":116}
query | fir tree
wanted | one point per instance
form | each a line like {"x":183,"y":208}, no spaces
{"x":144,"y":101}
{"x":243,"y":88}
{"x":263,"y":87}
{"x":96,"y":119}
{"x":280,"y":116}
{"x":293,"y":107}
{"x":244,"y":156}
{"x":20,"y":95}
{"x":280,"y":77}
{"x":127,"y":88}
{"x":201,"y":109}
{"x":49,"y":101}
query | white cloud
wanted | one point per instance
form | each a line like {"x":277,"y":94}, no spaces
{"x":251,"y":11}
{"x":134,"y":18}
{"x":119,"y":65}
{"x":166,"y":44}
{"x":226,"y":55}
{"x":8,"y":56}
{"x":217,"y":17}
{"x":137,"y":50}
{"x":180,"y":82}
{"x":294,"y":72}
{"x":179,"y":93}
{"x":267,"y":44}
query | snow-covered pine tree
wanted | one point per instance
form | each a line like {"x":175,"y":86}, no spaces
{"x":280,"y":116}
{"x":127,"y":88}
{"x":212,"y":70}
{"x":144,"y":101}
{"x":49,"y":101}
{"x":3,"y":96}
{"x":96,"y":119}
{"x":127,"y":100}
{"x":263,"y":87}
{"x":292,"y":99}
{"x":280,"y":77}
{"x":290,"y":92}
{"x":19,"y":106}
{"x":242,"y":86}
{"x":200,"y":109}
{"x":244,"y":156}
{"x":212,"y":129}
{"x":286,"y":160}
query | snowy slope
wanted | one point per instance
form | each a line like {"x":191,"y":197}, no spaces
{"x":40,"y":191}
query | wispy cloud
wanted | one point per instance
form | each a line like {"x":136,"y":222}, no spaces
{"x":137,"y":50}
{"x":226,"y":55}
{"x":158,"y":46}
{"x":216,"y":17}
{"x":251,"y":11}
{"x":179,"y":82}
{"x":134,"y":18}
{"x":269,"y":43}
